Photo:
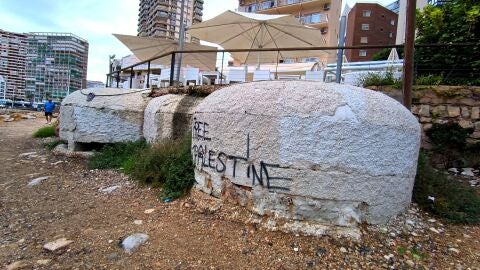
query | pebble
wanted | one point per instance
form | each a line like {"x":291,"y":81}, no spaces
{"x":132,"y":242}
{"x":343,"y":250}
{"x":37,"y":181}
{"x":27,"y":154}
{"x":432,"y":220}
{"x":149,"y":211}
{"x":57,"y":244}
{"x":467,"y":172}
{"x":454,"y":250}
{"x":410,"y":263}
{"x":16,"y":265}
{"x":138,"y":222}
{"x":453,"y":170}
{"x":43,"y":262}
{"x":388,"y":257}
{"x":109,"y":190}
{"x":410,"y":222}
{"x":320,"y":252}
{"x":295,"y":249}
{"x":434,"y":230}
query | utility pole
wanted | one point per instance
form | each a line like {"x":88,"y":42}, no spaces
{"x":181,"y":40}
{"x":341,"y":42}
{"x":408,"y":56}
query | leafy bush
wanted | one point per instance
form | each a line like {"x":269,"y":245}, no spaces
{"x":449,"y":140}
{"x":378,"y":79}
{"x":114,"y":155}
{"x":44,"y":132}
{"x":168,"y":164}
{"x":429,"y":79}
{"x":384,"y":53}
{"x":453,"y":201}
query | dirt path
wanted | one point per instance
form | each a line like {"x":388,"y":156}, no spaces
{"x":182,"y":234}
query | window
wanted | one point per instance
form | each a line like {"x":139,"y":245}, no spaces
{"x":392,"y":22}
{"x":390,"y":35}
{"x":326,"y":6}
{"x":251,"y":8}
{"x":324,"y":30}
{"x":367,"y":13}
{"x":288,"y":61}
{"x":362,"y":53}
{"x":365,"y":26}
{"x":364,"y":40}
{"x":310,"y":59}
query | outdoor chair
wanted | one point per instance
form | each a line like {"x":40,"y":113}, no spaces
{"x":261,"y":75}
{"x":192,"y":74}
{"x":236,"y":75}
{"x":317,"y":75}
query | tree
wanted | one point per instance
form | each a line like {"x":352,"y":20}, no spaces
{"x":451,"y":23}
{"x":384,"y":53}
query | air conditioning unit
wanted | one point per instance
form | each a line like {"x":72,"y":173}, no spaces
{"x":326,"y":7}
{"x":324,"y":30}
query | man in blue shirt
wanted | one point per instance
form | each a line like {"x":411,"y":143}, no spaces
{"x":49,"y":107}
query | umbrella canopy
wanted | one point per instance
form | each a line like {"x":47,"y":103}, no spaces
{"x":146,"y":48}
{"x":393,"y":56}
{"x":239,"y":30}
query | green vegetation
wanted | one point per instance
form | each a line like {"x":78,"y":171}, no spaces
{"x":449,"y":143}
{"x":114,"y":155}
{"x":44,"y":132}
{"x":379,"y":79}
{"x":168,"y":164}
{"x":384,"y":53}
{"x":455,"y":22}
{"x":429,"y":79}
{"x":453,"y":201}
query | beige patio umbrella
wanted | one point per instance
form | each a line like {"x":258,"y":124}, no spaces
{"x":145,"y":48}
{"x":239,"y":30}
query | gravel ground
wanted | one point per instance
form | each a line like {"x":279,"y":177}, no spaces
{"x":196,"y":232}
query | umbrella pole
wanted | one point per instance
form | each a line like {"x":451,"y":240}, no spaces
{"x":276,"y":67}
{"x":221,"y":69}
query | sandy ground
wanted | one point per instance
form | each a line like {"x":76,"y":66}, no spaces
{"x":184,"y":234}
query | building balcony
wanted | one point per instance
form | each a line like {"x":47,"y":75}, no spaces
{"x":315,"y":19}
{"x":285,"y":6}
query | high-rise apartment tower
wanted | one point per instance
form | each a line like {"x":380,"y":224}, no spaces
{"x":321,"y":14}
{"x":13,"y":64}
{"x":56,"y":65}
{"x":161,"y":18}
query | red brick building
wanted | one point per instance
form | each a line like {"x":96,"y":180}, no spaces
{"x":369,"y":24}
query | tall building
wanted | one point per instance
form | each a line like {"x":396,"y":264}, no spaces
{"x":56,"y":65}
{"x":3,"y":86}
{"x":394,"y":6}
{"x":161,"y":18}
{"x":321,"y":14}
{"x":402,"y":15}
{"x":369,"y":24}
{"x":13,"y":64}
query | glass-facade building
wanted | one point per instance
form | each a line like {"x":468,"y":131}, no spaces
{"x":56,"y":65}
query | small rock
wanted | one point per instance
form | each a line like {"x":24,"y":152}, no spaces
{"x":454,"y":250}
{"x":57,"y":244}
{"x":431,"y":198}
{"x":138,"y":222}
{"x":295,"y":249}
{"x":149,"y":211}
{"x":467,"y":172}
{"x":320,"y":252}
{"x":410,"y":222}
{"x":453,"y":170}
{"x":410,"y":263}
{"x":56,"y":163}
{"x":432,"y":220}
{"x":16,"y":265}
{"x":37,"y":181}
{"x":43,"y":262}
{"x":388,"y":257}
{"x":343,"y":250}
{"x":132,"y":242}
{"x":109,"y":190}
{"x":112,"y":256}
{"x":474,"y":183}
{"x":26,"y":154}
{"x":434,"y":230}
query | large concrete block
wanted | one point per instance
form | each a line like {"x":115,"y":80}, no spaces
{"x":307,"y":151}
{"x":113,"y":115}
{"x":169,"y":117}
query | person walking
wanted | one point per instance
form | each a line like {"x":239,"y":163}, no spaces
{"x":49,"y":107}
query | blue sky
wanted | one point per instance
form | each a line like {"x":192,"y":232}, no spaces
{"x":93,"y":20}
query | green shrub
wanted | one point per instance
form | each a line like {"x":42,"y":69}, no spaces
{"x":114,"y":155}
{"x":168,"y":164}
{"x":429,"y":79}
{"x":44,"y":132}
{"x":51,"y":145}
{"x":378,"y":79}
{"x":449,"y":141}
{"x":454,"y":201}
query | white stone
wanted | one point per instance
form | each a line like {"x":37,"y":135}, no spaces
{"x":334,"y":154}
{"x":114,"y":115}
{"x":454,"y":250}
{"x":37,"y":181}
{"x":109,"y":190}
{"x":149,"y":211}
{"x":434,"y":230}
{"x":57,"y":244}
{"x":343,"y":250}
{"x":453,"y":170}
{"x":467,"y":172}
{"x":27,"y":154}
{"x":43,"y":261}
{"x":138,"y":222}
{"x":132,"y":242}
{"x":168,"y":117}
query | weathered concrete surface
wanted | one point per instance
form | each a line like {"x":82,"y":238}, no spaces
{"x":307,"y":151}
{"x":169,"y":117}
{"x":114,"y":115}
